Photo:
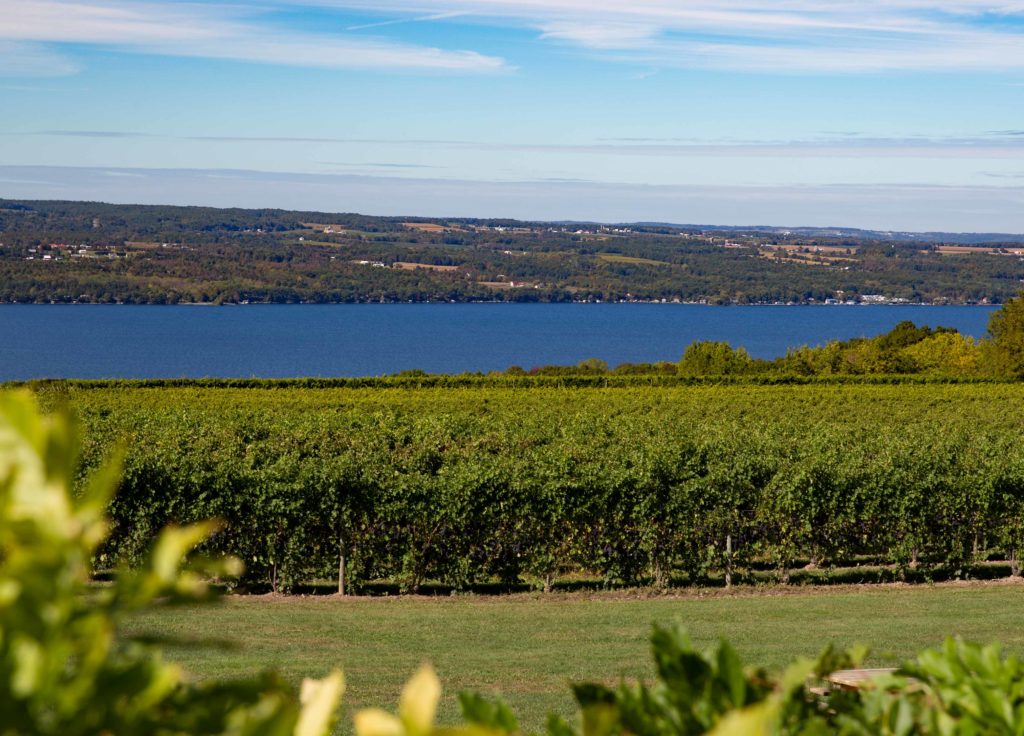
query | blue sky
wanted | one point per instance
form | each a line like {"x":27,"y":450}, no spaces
{"x":891,"y":114}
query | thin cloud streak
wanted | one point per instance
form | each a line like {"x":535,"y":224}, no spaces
{"x":401,"y":21}
{"x":1004,"y":144}
{"x":94,"y":134}
{"x":376,"y":165}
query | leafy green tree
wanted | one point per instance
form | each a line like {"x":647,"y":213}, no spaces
{"x":593,"y":365}
{"x":946,"y":353}
{"x":715,"y":359}
{"x":903,"y":335}
{"x":1006,"y":328}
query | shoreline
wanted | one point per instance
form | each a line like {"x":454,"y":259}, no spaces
{"x":638,"y":302}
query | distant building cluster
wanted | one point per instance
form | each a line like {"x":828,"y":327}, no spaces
{"x":62,"y":251}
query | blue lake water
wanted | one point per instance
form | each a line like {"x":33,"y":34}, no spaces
{"x":271,"y":341}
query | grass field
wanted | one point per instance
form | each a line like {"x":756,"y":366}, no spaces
{"x":614,"y":258}
{"x":528,"y":648}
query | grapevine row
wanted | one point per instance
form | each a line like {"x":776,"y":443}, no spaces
{"x":651,"y":486}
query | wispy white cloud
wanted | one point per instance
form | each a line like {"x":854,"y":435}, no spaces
{"x":20,"y":59}
{"x":212,"y":30}
{"x":640,"y":76}
{"x":601,"y":36}
{"x":797,"y":36}
{"x":963,"y":50}
{"x":808,"y":36}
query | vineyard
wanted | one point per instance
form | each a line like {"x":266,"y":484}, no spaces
{"x":512,"y":484}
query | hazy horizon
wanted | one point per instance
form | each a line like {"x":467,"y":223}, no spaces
{"x":908,"y":209}
{"x":884,"y":114}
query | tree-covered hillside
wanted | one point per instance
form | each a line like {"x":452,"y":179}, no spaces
{"x":92,"y":252}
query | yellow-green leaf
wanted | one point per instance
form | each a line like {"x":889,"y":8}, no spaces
{"x":377,"y":722}
{"x":320,"y":700}
{"x":419,"y":701}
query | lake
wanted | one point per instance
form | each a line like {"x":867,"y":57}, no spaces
{"x":273,"y":341}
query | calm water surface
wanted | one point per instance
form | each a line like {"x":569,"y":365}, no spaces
{"x":271,"y":341}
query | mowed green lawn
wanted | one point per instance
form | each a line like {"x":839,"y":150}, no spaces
{"x":528,"y":648}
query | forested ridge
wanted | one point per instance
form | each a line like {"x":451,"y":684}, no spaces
{"x":81,"y":252}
